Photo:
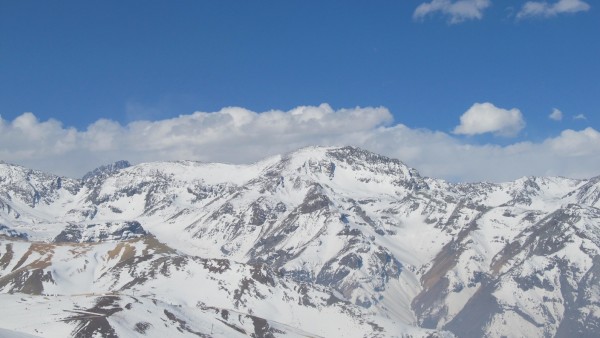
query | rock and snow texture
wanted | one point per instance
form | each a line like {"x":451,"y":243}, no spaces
{"x":321,"y":242}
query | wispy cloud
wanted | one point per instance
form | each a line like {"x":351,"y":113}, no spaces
{"x":556,"y":115}
{"x":456,"y":11}
{"x":484,"y":118}
{"x":238,"y":135}
{"x":579,"y":117}
{"x":543,"y":9}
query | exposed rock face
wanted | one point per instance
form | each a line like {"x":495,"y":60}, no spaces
{"x":92,"y":233}
{"x":342,"y":231}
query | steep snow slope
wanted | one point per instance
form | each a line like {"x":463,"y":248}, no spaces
{"x":116,"y":288}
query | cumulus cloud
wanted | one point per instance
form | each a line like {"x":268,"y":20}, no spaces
{"x":456,"y":11}
{"x":579,"y":117}
{"x":238,"y":135}
{"x":544,"y":9}
{"x":556,"y":115}
{"x":484,"y":118}
{"x":229,"y":135}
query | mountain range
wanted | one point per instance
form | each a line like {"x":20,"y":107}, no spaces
{"x":320,"y":242}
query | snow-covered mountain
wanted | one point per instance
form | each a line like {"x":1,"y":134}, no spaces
{"x":325,"y":242}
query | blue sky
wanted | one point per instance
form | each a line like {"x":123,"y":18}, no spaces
{"x":426,"y":62}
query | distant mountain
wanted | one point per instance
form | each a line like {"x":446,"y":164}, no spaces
{"x":330,"y":242}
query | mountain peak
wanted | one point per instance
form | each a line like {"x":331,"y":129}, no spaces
{"x":348,"y":154}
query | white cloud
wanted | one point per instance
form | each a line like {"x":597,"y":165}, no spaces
{"x":545,"y":10}
{"x":456,"y":11}
{"x":556,"y":115}
{"x":571,"y":143}
{"x":238,"y":135}
{"x":579,"y":117}
{"x":484,"y":118}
